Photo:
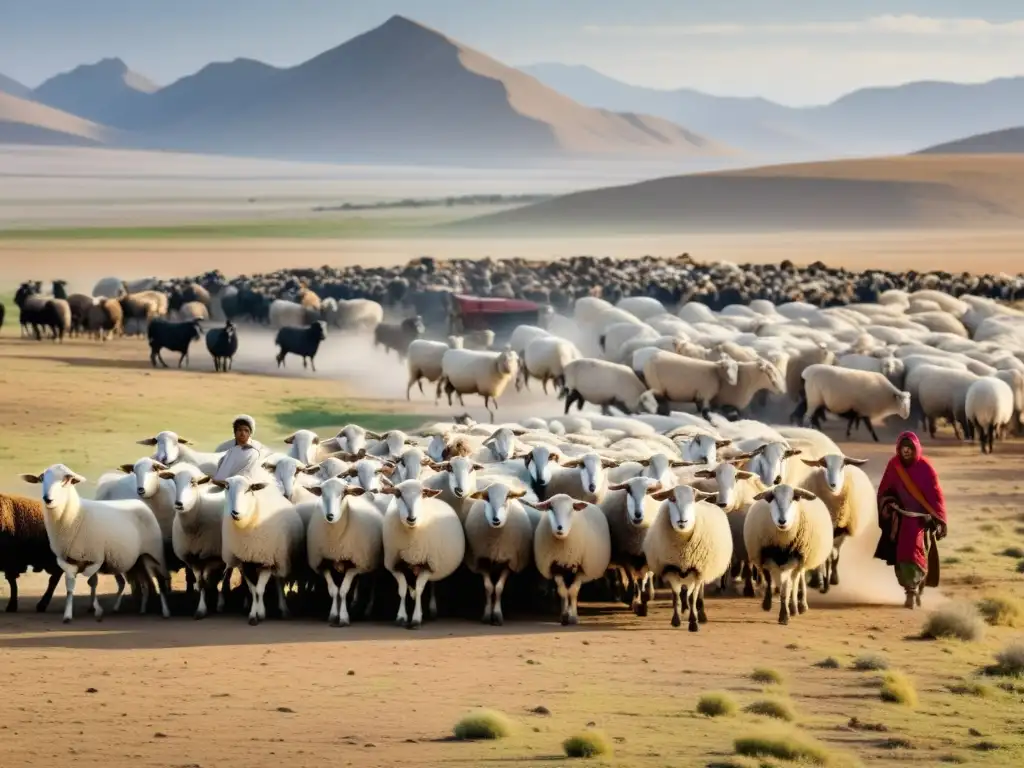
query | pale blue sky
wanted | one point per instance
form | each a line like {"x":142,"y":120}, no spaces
{"x":795,"y":51}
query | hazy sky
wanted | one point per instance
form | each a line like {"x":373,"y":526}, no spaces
{"x":794,"y":51}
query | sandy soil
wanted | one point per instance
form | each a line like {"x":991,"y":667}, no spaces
{"x":140,"y":691}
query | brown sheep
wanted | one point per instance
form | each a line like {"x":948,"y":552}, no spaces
{"x":105,"y":318}
{"x":23,"y":543}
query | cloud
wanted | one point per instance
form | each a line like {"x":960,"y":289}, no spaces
{"x":890,"y":25}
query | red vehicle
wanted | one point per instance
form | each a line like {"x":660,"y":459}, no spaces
{"x":474,"y":313}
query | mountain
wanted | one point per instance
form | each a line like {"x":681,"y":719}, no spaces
{"x":401,"y":91}
{"x":1010,"y":141}
{"x":876,"y":193}
{"x":886,"y":120}
{"x":105,"y":92}
{"x":14,"y":88}
{"x":28,"y":122}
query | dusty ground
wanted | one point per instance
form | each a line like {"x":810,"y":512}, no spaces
{"x":145,"y":692}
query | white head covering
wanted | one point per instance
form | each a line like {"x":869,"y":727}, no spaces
{"x":245,"y":418}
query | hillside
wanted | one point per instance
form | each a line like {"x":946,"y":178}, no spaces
{"x":14,"y":88}
{"x":883,"y":193}
{"x":105,"y":92}
{"x":27,"y":122}
{"x":400,"y":91}
{"x":1008,"y":142}
{"x":882,"y":120}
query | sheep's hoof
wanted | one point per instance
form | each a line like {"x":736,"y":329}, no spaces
{"x":702,"y":617}
{"x":676,"y":621}
{"x":783,"y":618}
{"x":766,"y":604}
{"x":803,"y":609}
{"x":814,"y":579}
{"x":497,"y":620}
{"x":253,"y":621}
{"x":415,"y":624}
{"x":565,"y":620}
{"x":12,"y":606}
{"x":67,"y":619}
{"x":694,"y":626}
{"x":402,"y":622}
{"x":199,"y":615}
{"x":748,"y":591}
{"x":834,"y":579}
{"x":640,"y":609}
{"x":487,"y":618}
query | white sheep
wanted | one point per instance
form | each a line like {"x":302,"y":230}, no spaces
{"x":89,"y":537}
{"x":677,"y":379}
{"x":522,"y":335}
{"x":752,"y":377}
{"x":771,"y":462}
{"x":854,"y":394}
{"x":262,"y":535}
{"x":294,"y":477}
{"x":351,"y":438}
{"x":499,"y":542}
{"x":545,"y":359}
{"x":572,"y":544}
{"x":344,"y":541}
{"x":989,"y":407}
{"x":457,"y":480}
{"x":304,"y":445}
{"x":467,"y":371}
{"x":172,"y":448}
{"x":630,"y":511}
{"x":423,"y":542}
{"x":688,"y":545}
{"x":288,"y":314}
{"x":788,"y":532}
{"x":941,"y":393}
{"x":352,"y":314}
{"x":847,"y":493}
{"x":599,"y":382}
{"x":423,"y":360}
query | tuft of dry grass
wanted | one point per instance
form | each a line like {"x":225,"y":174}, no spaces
{"x":1002,"y":610}
{"x":830,"y":663}
{"x":959,"y":620}
{"x":1020,"y":567}
{"x":897,"y":688}
{"x":783,"y":743}
{"x":766,"y":676}
{"x":483,"y":724}
{"x":870,"y":662}
{"x":588,"y":743}
{"x":1009,"y":662}
{"x":775,"y":708}
{"x":717,"y":704}
{"x":1013,"y":552}
{"x":972,"y":688}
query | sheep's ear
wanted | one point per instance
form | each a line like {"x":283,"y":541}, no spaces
{"x":855,"y":462}
{"x":165,"y":475}
{"x":158,"y":466}
{"x":617,"y":486}
{"x":290,"y":439}
{"x":609,"y":463}
{"x":579,"y":506}
{"x":701,"y":496}
{"x":645,"y":462}
{"x":351,"y":472}
{"x":431,"y":492}
{"x":814,"y":463}
{"x":183,"y":441}
{"x":516,"y":494}
{"x":653,"y":488}
{"x":705,"y":473}
{"x":253,"y":487}
{"x":663,"y":495}
{"x":268,"y":466}
{"x":743,"y":475}
{"x":676,"y":463}
{"x":792,"y":452}
{"x":373,"y":435}
{"x":147,"y":441}
{"x":32,"y":478}
{"x":316,"y":490}
{"x":722,"y":443}
{"x":574,"y":464}
{"x":220,"y":484}
{"x":480,"y":495}
{"x":526,"y":457}
{"x":740,"y":457}
{"x":555,"y":457}
{"x":478,"y":467}
{"x":386,"y":485}
{"x":518,"y":432}
{"x":543,"y":505}
{"x":345,"y":456}
{"x":73,"y":479}
{"x":316,"y":439}
{"x":312,"y":469}
{"x":354,"y":490}
{"x":204,"y":480}
{"x":127,"y":468}
{"x":800,"y":493}
{"x":768,"y":496}
{"x":756,"y":452}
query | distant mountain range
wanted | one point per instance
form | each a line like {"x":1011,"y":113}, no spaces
{"x":400,"y":92}
{"x":14,"y":88}
{"x":1010,"y":141}
{"x":870,"y":121}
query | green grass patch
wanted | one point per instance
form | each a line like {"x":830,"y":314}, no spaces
{"x":775,"y":708}
{"x":870,"y":662}
{"x":766,"y":676}
{"x":313,"y":413}
{"x":897,"y":688}
{"x":588,"y":743}
{"x":482,"y":724}
{"x":1002,"y":610}
{"x":959,"y":620}
{"x":783,"y":744}
{"x":716,"y":704}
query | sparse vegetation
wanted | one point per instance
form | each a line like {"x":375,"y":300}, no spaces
{"x":783,"y":744}
{"x":870,"y":662}
{"x":959,"y":620}
{"x":897,"y":688}
{"x":830,"y":663}
{"x":972,"y":688}
{"x":1013,"y":552}
{"x":483,"y":724}
{"x":776,"y":708}
{"x":716,"y":704}
{"x":766,"y":676}
{"x":1020,"y":567}
{"x":1009,"y":662}
{"x":588,"y":743}
{"x":1002,"y":610}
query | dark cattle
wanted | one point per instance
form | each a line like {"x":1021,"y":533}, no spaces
{"x":398,"y":337}
{"x":300,"y":341}
{"x":177,"y":337}
{"x":222,"y":344}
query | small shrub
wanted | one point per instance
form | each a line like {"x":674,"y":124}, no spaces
{"x":972,"y":688}
{"x":783,"y":744}
{"x":780,"y":710}
{"x":716,"y":705}
{"x":953,"y":560}
{"x":870,"y":662}
{"x":1020,"y":567}
{"x":766,"y":676}
{"x":483,"y":724}
{"x":1009,"y":662}
{"x":588,"y":743}
{"x":954,"y":620}
{"x":1013,"y":552}
{"x":830,"y":663}
{"x":897,"y":688}
{"x":1002,"y":610}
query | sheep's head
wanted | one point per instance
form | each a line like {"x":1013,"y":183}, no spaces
{"x":591,"y":467}
{"x":462,"y":478}
{"x":507,"y":362}
{"x":782,"y":502}
{"x":647,"y":402}
{"x":501,"y":443}
{"x":332,"y":495}
{"x":56,"y":481}
{"x":659,"y":467}
{"x":319,"y":330}
{"x":304,"y":444}
{"x":539,"y":462}
{"x":725,"y":476}
{"x":702,"y":449}
{"x":239,"y":497}
{"x":354,"y":437}
{"x":409,"y":496}
{"x":903,"y":403}
{"x":146,"y":481}
{"x":561,"y":509}
{"x":776,"y":380}
{"x":682,"y":505}
{"x":636,"y":488}
{"x":186,"y":480}
{"x":437,"y":446}
{"x":729,"y":370}
{"x":833,"y":466}
{"x":394,"y":442}
{"x":197,"y":330}
{"x":167,"y":446}
{"x":328,"y":468}
{"x":496,"y":497}
{"x":768,"y":461}
{"x":286,"y":470}
{"x":410,"y":465}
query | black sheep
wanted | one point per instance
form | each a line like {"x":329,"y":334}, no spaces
{"x":3,"y":311}
{"x":222,"y":344}
{"x":37,"y":311}
{"x":300,"y":341}
{"x":163,"y":334}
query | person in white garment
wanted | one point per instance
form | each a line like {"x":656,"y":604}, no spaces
{"x":243,"y":458}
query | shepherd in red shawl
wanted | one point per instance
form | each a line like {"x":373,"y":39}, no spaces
{"x":911,"y":483}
